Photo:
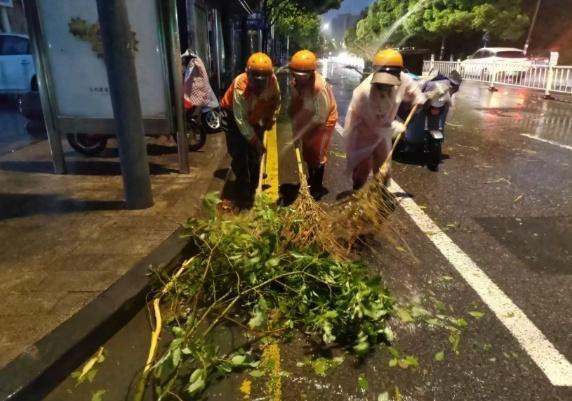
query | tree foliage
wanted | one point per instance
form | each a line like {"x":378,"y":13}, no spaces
{"x":299,"y":20}
{"x":302,"y":27}
{"x":396,"y":22}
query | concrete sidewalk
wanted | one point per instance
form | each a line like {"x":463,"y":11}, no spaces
{"x":65,"y":239}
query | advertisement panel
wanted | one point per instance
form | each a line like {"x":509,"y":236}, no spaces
{"x":75,"y":57}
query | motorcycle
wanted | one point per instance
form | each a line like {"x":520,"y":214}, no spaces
{"x":426,"y":131}
{"x":202,"y":112}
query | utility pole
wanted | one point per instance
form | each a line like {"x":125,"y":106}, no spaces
{"x":529,"y":36}
{"x":120,"y":63}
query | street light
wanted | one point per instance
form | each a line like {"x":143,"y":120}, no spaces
{"x":529,"y":36}
{"x":326,"y":27}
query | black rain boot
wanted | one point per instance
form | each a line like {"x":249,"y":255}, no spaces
{"x":317,"y":189}
{"x":310,"y":178}
{"x":320,"y":180}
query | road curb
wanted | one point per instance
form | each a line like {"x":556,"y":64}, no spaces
{"x":42,"y":366}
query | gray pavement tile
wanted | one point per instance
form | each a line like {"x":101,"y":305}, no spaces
{"x":78,"y":281}
{"x":29,"y":303}
{"x":80,"y":260}
{"x":16,"y":280}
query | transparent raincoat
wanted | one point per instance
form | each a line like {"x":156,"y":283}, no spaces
{"x":370,"y":121}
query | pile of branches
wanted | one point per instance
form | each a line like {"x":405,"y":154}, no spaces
{"x":270,"y":273}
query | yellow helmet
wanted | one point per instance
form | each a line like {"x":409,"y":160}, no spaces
{"x":388,"y":58}
{"x":259,"y":63}
{"x":304,"y":61}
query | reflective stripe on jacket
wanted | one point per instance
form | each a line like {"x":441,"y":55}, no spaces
{"x":248,"y":108}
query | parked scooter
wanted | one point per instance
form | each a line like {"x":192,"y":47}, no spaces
{"x":426,"y":131}
{"x":202,"y":113}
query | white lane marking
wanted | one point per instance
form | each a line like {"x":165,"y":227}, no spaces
{"x":547,"y":141}
{"x":552,"y":363}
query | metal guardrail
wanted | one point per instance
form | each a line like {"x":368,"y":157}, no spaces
{"x":551,"y":79}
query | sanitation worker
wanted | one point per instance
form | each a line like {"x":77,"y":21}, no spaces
{"x":251,"y":105}
{"x":314,"y":114}
{"x":370,"y":121}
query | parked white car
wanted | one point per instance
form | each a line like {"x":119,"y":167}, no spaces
{"x":17,"y":71}
{"x":507,"y":62}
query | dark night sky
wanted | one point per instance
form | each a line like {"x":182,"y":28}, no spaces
{"x":348,"y":6}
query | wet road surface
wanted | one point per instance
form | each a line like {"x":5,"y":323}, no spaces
{"x":505,"y":200}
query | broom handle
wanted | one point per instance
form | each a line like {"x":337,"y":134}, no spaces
{"x":262,"y":164}
{"x":385,"y":166}
{"x":299,"y":162}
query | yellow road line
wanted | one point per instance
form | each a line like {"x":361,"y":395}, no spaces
{"x":271,"y":182}
{"x":271,"y":362}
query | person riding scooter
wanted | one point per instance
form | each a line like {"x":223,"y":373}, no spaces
{"x":425,"y":133}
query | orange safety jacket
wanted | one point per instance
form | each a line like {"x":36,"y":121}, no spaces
{"x":250,"y":109}
{"x":314,"y":115}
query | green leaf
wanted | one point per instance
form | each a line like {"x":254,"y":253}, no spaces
{"x":176,"y":356}
{"x":420,"y":313}
{"x":91,"y":375}
{"x":257,"y":320}
{"x":393,"y":362}
{"x":476,"y":314}
{"x":383,"y":396}
{"x":455,"y":339}
{"x":257,"y":373}
{"x":362,"y":383}
{"x":98,"y":395}
{"x":178,"y":332}
{"x":393,"y":351}
{"x":321,"y":365}
{"x":404,"y":315}
{"x":274,"y":262}
{"x":439,"y":356}
{"x":197,"y":373}
{"x":361,"y":348}
{"x":460,"y":323}
{"x":412,"y":361}
{"x":196,"y":386}
{"x":238,"y":360}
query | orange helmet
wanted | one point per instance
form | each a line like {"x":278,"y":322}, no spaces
{"x":388,"y":58}
{"x":304,"y":61}
{"x":259,"y":63}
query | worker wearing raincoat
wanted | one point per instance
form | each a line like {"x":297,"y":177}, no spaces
{"x":370,"y":121}
{"x":251,"y":105}
{"x":314,"y":114}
